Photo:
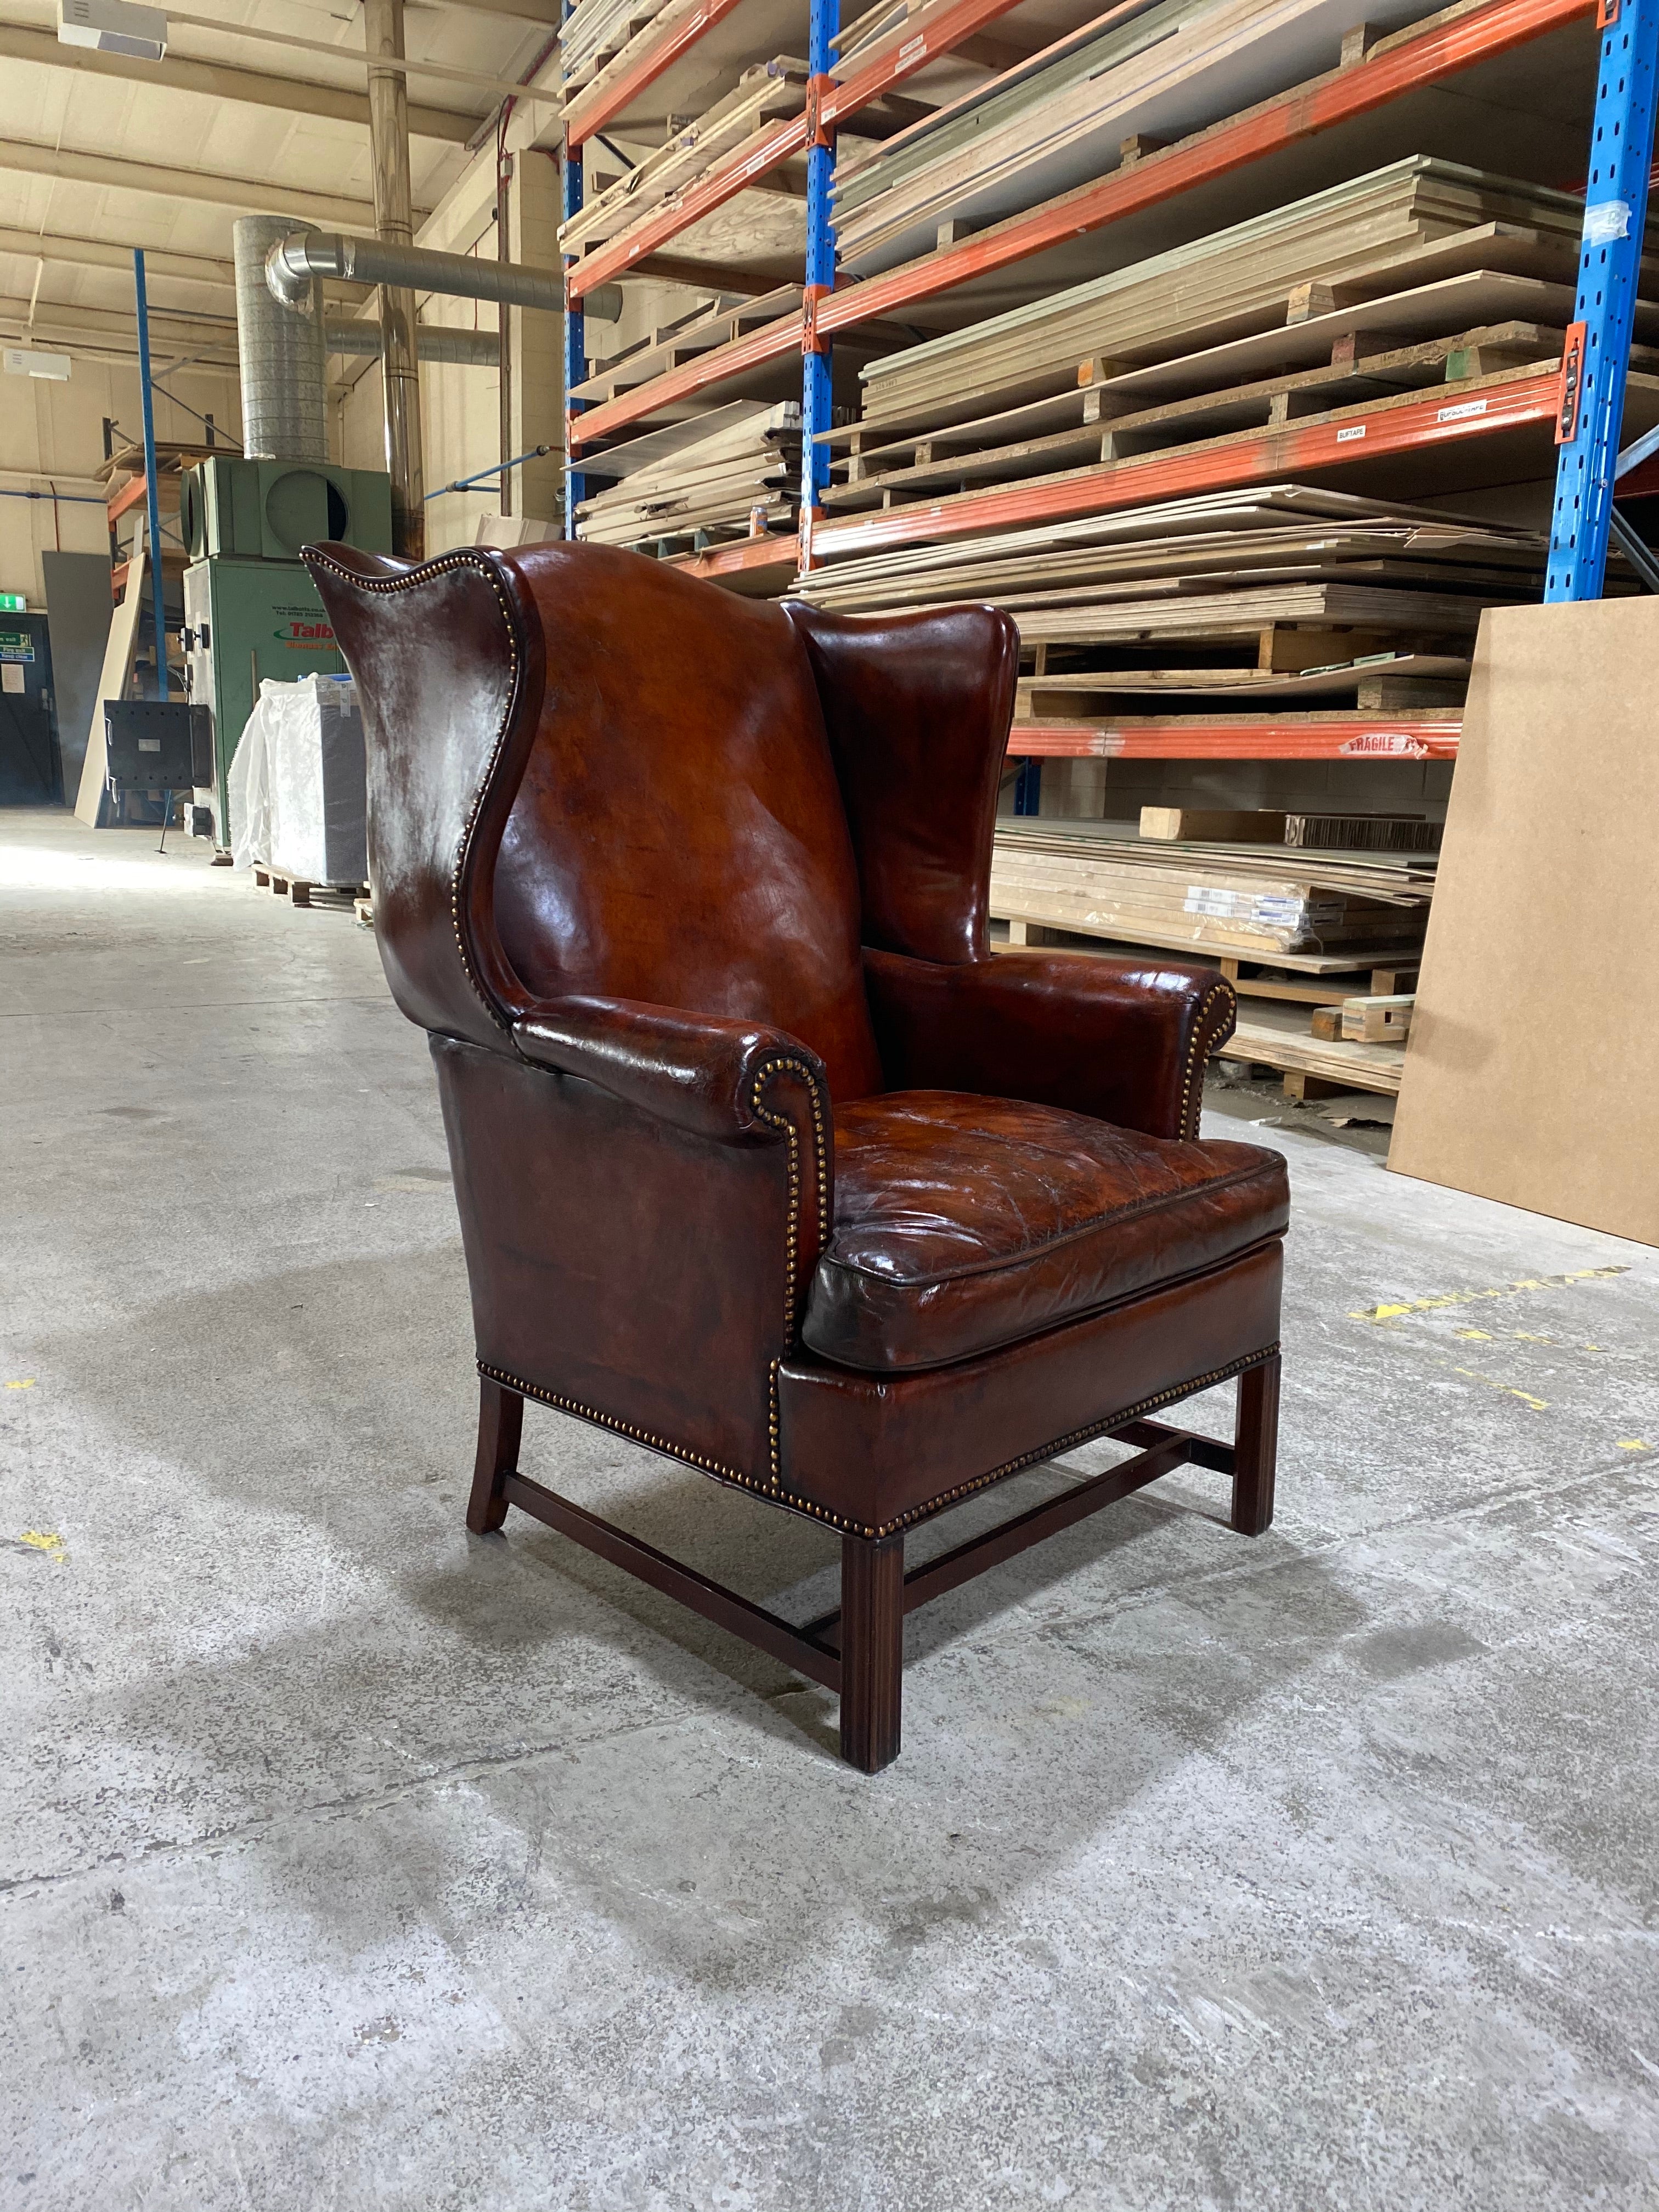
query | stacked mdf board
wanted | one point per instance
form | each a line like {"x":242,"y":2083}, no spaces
{"x":1532,"y":1073}
{"x":1137,"y":71}
{"x":734,"y":472}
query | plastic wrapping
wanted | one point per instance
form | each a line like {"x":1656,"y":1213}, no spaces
{"x":298,"y":802}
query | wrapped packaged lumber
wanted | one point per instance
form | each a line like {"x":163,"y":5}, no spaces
{"x":733,"y":473}
{"x":1397,"y":228}
{"x":1102,"y":880}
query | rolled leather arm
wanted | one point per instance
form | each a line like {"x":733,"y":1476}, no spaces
{"x":1122,"y":1040}
{"x":700,"y":1071}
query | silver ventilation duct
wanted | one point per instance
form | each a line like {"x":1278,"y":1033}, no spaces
{"x":282,"y":353}
{"x":471,"y":348}
{"x":298,"y":259}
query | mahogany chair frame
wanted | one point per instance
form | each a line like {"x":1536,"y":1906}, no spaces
{"x":858,"y":1649}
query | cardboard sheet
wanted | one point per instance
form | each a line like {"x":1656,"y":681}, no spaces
{"x":1532,"y":1074}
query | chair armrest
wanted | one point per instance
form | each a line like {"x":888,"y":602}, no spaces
{"x":1122,"y":1040}
{"x":698,"y":1071}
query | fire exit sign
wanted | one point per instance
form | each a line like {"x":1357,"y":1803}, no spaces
{"x":13,"y":603}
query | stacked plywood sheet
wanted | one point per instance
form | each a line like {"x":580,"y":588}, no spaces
{"x":595,"y":30}
{"x":1267,"y":600}
{"x":1416,"y":221}
{"x":1261,"y":537}
{"x":763,"y":95}
{"x":734,"y":472}
{"x":1103,"y":880}
{"x":1139,"y":71}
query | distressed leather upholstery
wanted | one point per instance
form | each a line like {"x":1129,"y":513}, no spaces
{"x":966,"y":1223}
{"x":762,"y":1157}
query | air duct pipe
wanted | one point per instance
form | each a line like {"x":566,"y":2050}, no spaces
{"x":282,"y":352}
{"x":302,"y":258}
{"x":394,"y":221}
{"x":471,"y":349}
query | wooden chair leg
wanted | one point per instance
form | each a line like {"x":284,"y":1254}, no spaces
{"x":1255,"y":1446}
{"x":871,"y":1650}
{"x":500,"y":1425}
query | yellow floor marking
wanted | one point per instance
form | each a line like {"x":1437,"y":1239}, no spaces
{"x":1538,"y":1404}
{"x":1474,"y":1335}
{"x":1397,"y":1312}
{"x":1634,"y":1443}
{"x":47,"y":1541}
{"x":26,"y":1385}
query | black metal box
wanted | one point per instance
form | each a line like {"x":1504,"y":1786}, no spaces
{"x":154,"y":744}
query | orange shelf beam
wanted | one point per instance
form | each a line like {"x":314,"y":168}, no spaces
{"x":1416,"y":427}
{"x":1248,"y":739}
{"x":1413,"y":59}
{"x":131,"y":493}
{"x":724,"y":182}
{"x":583,"y":119}
{"x":737,"y":559}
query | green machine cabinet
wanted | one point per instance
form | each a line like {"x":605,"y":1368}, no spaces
{"x":245,"y":621}
{"x":250,"y":611}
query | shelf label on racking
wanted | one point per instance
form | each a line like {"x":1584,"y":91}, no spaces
{"x":1463,"y":410}
{"x":1607,"y":221}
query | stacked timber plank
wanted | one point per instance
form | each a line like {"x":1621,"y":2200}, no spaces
{"x":1102,"y":879}
{"x":734,"y":472}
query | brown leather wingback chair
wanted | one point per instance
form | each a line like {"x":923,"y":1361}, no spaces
{"x":762,"y":1159}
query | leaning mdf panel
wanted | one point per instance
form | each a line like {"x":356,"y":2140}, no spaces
{"x":1532,"y":1075}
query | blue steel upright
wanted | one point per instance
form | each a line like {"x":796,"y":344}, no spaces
{"x":1615,"y":214}
{"x":824,"y":25}
{"x":153,"y":504}
{"x":575,"y":340}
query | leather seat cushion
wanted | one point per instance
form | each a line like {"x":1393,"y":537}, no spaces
{"x":963,"y":1223}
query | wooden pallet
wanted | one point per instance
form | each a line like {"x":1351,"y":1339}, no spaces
{"x":363,"y":909}
{"x":303,"y":892}
{"x":1111,"y":428}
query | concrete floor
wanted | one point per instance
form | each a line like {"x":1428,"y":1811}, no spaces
{"x":350,"y":1861}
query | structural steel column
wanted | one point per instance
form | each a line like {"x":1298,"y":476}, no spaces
{"x":1597,"y":351}
{"x":388,"y":130}
{"x":575,"y":340}
{"x":824,"y":24}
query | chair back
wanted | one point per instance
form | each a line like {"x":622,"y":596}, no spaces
{"x":679,"y":836}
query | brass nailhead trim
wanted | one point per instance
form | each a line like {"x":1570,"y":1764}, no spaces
{"x":1191,"y":1089}
{"x":774,"y":1491}
{"x":424,"y":574}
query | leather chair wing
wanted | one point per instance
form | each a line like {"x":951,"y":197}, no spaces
{"x":918,"y":709}
{"x":449,"y":678}
{"x":1124,"y":1040}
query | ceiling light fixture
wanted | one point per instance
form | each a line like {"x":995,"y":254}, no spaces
{"x":114,"y":26}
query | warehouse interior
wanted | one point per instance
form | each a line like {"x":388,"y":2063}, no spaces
{"x":1130,"y":533}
